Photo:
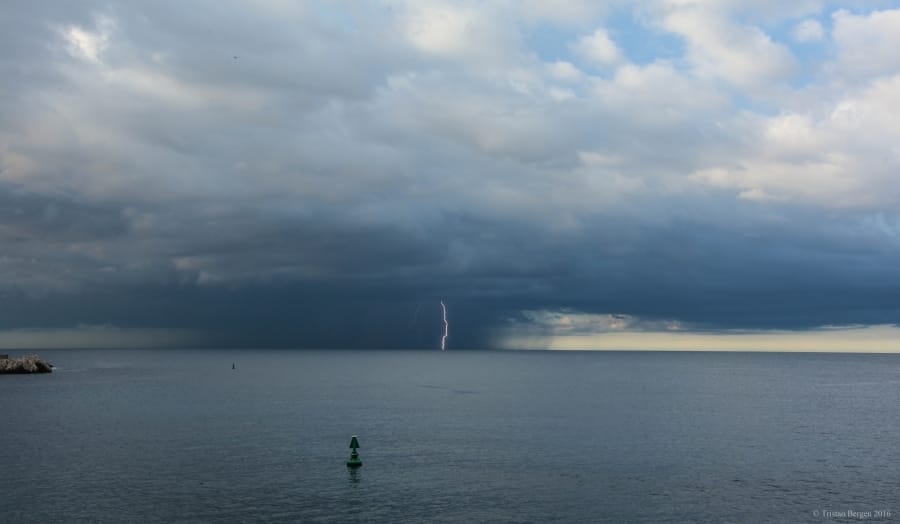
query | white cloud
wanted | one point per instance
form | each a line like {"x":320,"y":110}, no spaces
{"x":598,"y":48}
{"x":867,"y":44}
{"x":442,"y":29}
{"x":565,"y":72}
{"x":89,"y":44}
{"x":458,"y":30}
{"x":657,"y":95}
{"x":842,"y":154}
{"x":720,"y":47}
{"x":808,"y":31}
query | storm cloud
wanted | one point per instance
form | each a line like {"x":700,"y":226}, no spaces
{"x":322,"y":174}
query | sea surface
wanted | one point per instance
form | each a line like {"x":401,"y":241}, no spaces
{"x":455,"y":436}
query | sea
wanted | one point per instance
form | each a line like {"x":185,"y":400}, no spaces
{"x":454,"y":436}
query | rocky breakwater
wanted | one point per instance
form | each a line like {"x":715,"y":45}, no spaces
{"x":29,"y":364}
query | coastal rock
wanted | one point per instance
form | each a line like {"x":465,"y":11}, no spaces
{"x":29,"y":364}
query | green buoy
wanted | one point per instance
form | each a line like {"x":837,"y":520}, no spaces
{"x":354,"y":461}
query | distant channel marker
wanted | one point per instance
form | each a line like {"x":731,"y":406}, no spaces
{"x":354,"y":461}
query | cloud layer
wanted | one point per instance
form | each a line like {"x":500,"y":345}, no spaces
{"x":322,"y":173}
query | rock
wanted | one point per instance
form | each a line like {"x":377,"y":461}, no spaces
{"x":29,"y":364}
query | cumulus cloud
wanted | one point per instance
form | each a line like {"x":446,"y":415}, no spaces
{"x":833,"y":156}
{"x":719,"y":46}
{"x":866,"y":43}
{"x":598,"y":48}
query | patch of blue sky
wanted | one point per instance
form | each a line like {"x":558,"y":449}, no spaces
{"x":550,"y":42}
{"x":642,"y":43}
{"x":863,"y":7}
{"x":638,"y":41}
{"x":810,"y":54}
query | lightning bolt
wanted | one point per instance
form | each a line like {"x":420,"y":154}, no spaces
{"x":446,"y":327}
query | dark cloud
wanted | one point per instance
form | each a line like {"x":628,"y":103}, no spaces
{"x":330,"y":285}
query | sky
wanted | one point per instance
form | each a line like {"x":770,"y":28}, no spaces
{"x":668,"y":174}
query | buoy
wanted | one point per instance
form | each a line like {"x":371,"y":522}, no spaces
{"x":354,"y":461}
